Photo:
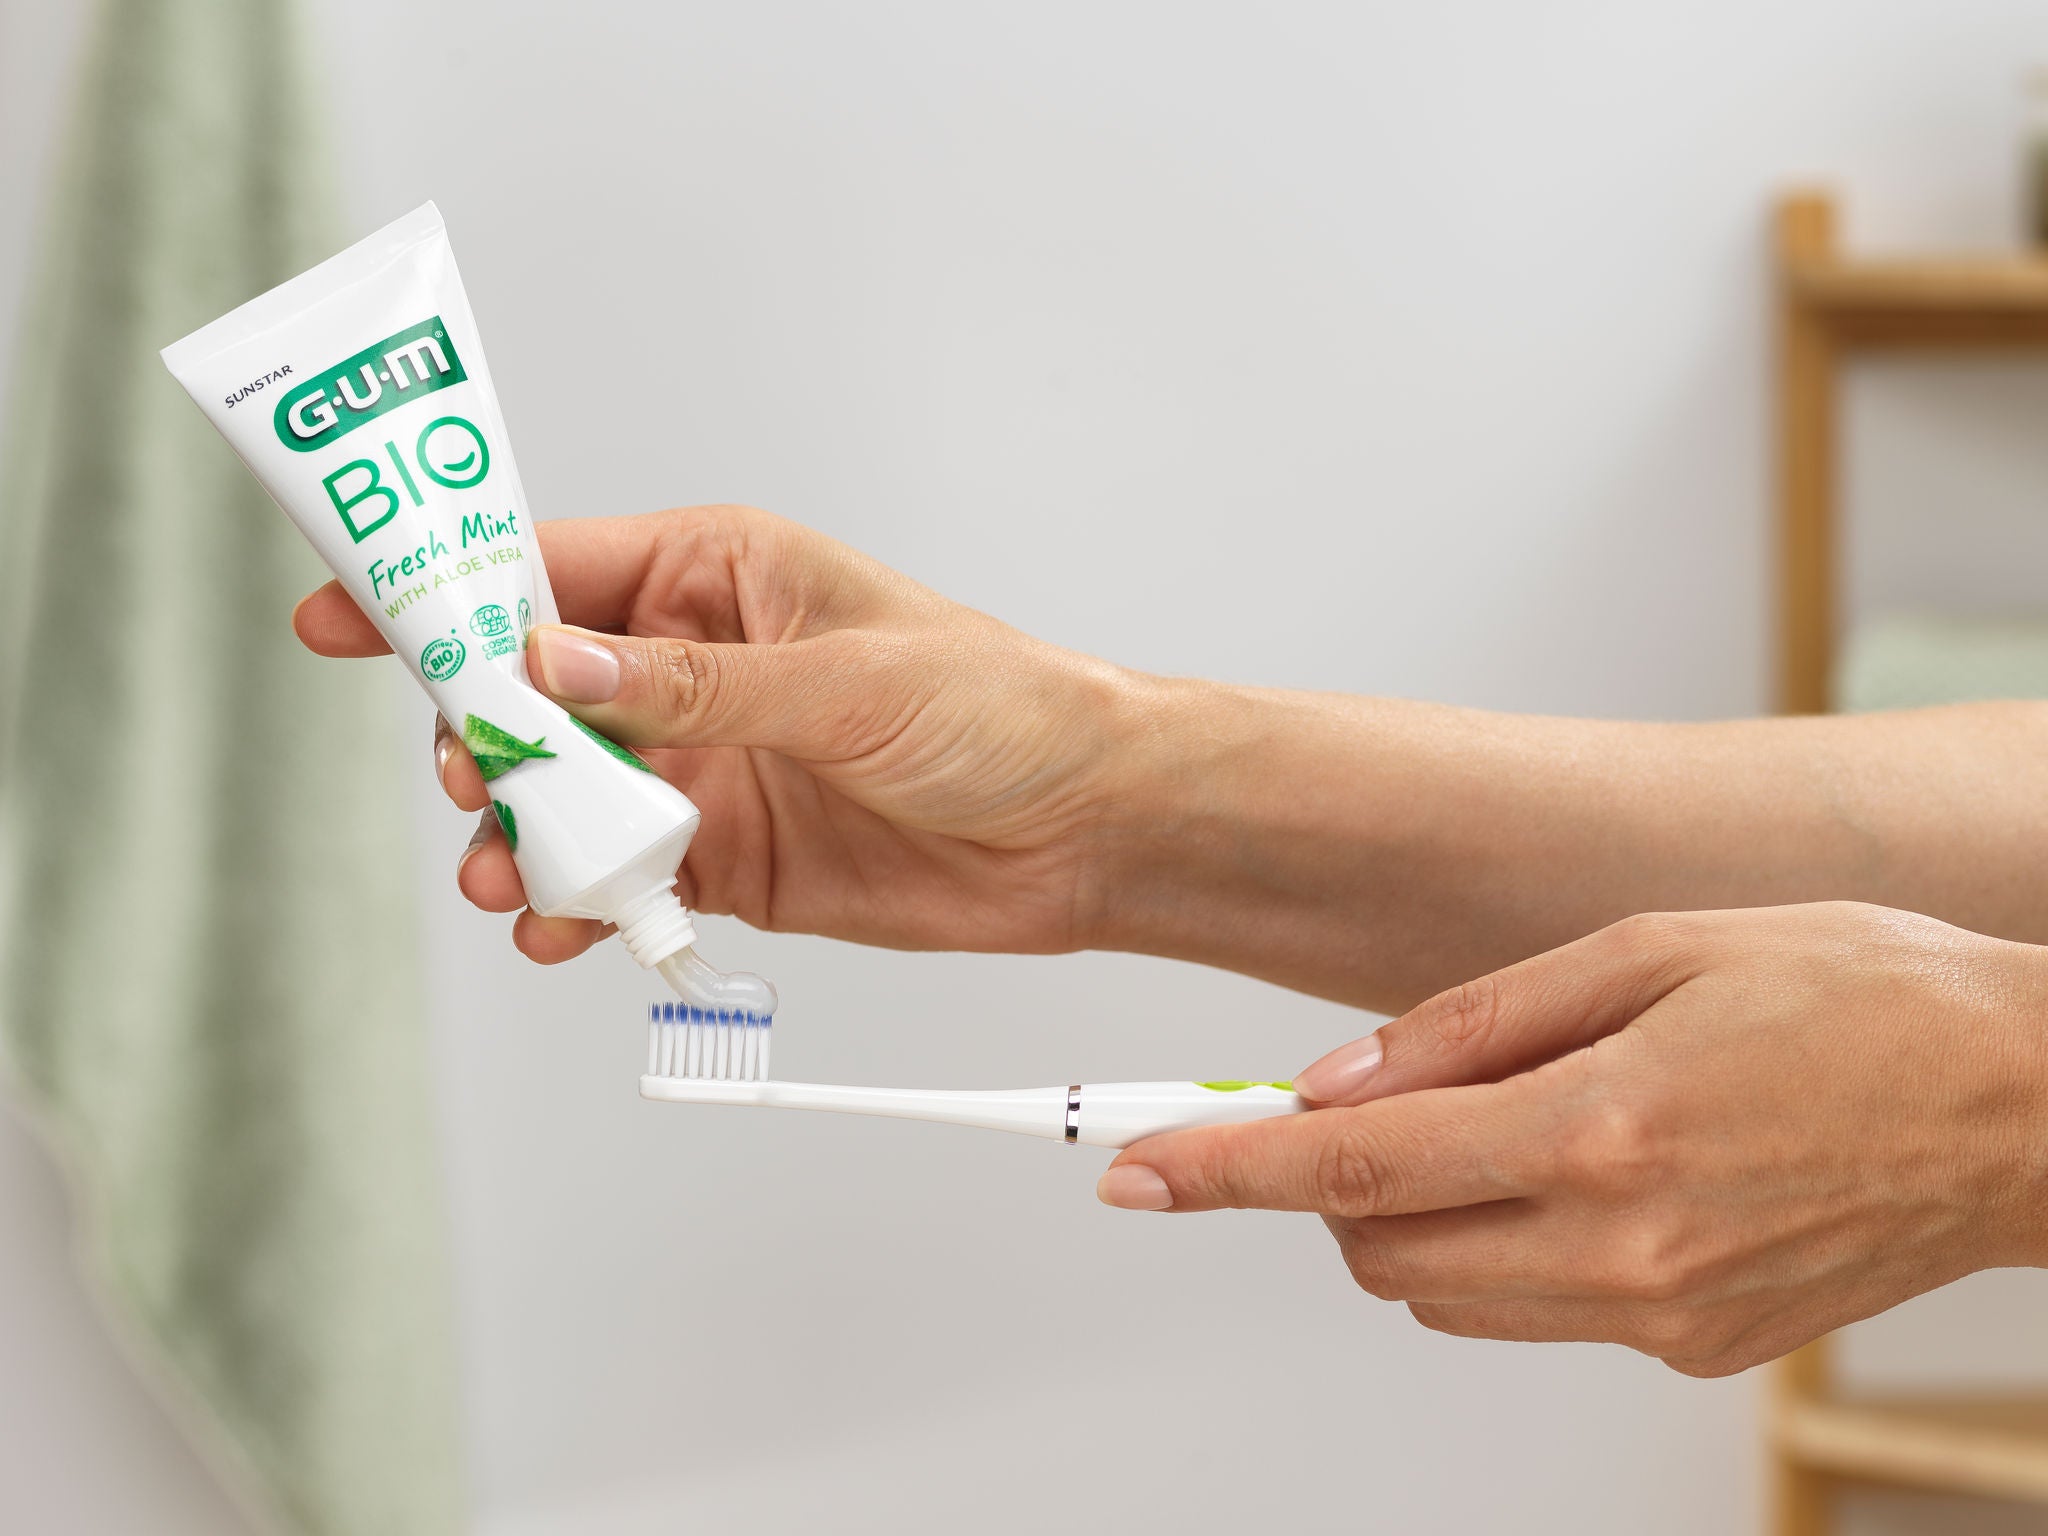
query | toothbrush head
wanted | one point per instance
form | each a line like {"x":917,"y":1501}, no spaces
{"x":716,"y":1044}
{"x":719,"y":1031}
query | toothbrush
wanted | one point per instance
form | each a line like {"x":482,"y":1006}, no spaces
{"x":695,"y":1059}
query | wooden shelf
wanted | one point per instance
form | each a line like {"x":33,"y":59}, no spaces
{"x":1991,"y":301}
{"x":1991,"y":1445}
{"x":1992,"y":287}
{"x":1830,"y":306}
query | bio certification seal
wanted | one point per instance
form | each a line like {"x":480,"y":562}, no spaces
{"x":442,"y":659}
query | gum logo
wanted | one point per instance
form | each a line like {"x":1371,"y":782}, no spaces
{"x":403,"y":366}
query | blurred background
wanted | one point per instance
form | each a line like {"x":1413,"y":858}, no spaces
{"x":1394,"y":349}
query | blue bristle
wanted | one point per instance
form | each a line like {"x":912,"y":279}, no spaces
{"x":696,"y":1041}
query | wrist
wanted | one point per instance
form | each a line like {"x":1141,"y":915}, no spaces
{"x":2020,"y":1228}
{"x":1126,"y":865}
{"x":1181,"y":843}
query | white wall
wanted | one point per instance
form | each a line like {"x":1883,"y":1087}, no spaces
{"x":1389,"y":348}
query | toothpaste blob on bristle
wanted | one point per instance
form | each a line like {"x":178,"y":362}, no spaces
{"x":737,"y":993}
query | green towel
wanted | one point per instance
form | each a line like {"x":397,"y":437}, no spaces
{"x":1909,"y":662}
{"x":209,"y":993}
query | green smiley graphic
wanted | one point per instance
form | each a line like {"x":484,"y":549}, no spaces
{"x":453,"y":453}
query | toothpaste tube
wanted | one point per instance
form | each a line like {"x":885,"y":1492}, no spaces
{"x":358,"y":394}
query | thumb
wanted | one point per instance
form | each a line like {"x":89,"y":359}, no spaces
{"x":690,"y":693}
{"x":1515,"y":1019}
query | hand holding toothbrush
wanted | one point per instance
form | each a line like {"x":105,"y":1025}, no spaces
{"x":1710,"y":1136}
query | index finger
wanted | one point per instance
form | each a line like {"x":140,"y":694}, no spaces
{"x":1427,"y":1151}
{"x":596,"y":566}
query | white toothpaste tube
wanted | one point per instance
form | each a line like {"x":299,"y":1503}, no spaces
{"x":358,"y":394}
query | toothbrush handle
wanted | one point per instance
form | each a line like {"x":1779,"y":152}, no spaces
{"x":1117,"y":1114}
{"x":1086,"y":1114}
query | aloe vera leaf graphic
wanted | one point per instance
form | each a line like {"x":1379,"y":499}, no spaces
{"x":495,"y":749}
{"x":623,"y":754}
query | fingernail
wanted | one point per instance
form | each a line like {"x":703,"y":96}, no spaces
{"x":476,"y":840}
{"x":1341,"y":1072}
{"x":1133,"y":1187}
{"x":444,"y":748}
{"x":576,"y":668}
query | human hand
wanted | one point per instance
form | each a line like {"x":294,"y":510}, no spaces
{"x":873,"y":762}
{"x":1711,"y":1137}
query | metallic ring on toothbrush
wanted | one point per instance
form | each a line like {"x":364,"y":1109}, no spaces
{"x":1073,"y":1113}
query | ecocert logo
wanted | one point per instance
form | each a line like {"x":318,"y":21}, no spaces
{"x":413,"y":362}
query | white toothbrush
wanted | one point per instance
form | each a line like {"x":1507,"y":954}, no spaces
{"x":711,"y":1061}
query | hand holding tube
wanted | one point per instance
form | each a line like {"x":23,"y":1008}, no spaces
{"x":873,"y":762}
{"x":877,"y":763}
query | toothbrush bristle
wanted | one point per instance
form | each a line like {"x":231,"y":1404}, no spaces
{"x":725,"y":1044}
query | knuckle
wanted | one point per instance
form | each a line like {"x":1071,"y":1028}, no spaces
{"x":1650,"y":1265}
{"x":1372,"y":1266}
{"x":1610,"y":1147}
{"x":1211,"y":1168}
{"x":682,"y":678}
{"x":1650,"y":933}
{"x":1709,"y":1367}
{"x":726,"y":522}
{"x":1201,"y":1177}
{"x":1464,"y":1016}
{"x":1351,"y":1177}
{"x":747,"y":536}
{"x":738,"y":513}
{"x":1441,"y":1319}
{"x":1669,"y":1333}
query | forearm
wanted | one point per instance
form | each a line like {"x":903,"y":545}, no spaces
{"x":1378,"y":851}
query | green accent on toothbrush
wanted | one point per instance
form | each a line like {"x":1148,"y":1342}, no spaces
{"x":508,"y":822}
{"x":495,"y":749}
{"x":623,"y":754}
{"x":1234,"y":1085}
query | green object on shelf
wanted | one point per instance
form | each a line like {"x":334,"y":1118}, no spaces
{"x":1914,"y":661}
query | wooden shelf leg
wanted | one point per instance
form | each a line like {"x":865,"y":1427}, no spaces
{"x":1801,"y":1502}
{"x":1806,"y":458}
